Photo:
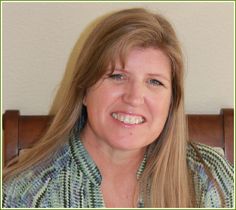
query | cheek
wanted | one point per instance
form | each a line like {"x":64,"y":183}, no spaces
{"x":160,"y":105}
{"x":101,"y":98}
{"x":109,"y":94}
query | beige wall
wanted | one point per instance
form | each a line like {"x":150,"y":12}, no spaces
{"x":38,"y":38}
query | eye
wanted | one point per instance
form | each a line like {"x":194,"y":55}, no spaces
{"x":154,"y":82}
{"x":117,"y":77}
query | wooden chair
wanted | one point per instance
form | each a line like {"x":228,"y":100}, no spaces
{"x":22,"y":131}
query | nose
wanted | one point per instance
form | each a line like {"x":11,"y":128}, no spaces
{"x":134,"y":94}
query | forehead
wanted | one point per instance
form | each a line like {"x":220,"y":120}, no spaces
{"x":152,"y":60}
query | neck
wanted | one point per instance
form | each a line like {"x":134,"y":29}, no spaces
{"x":112,"y":161}
{"x":118,"y":169}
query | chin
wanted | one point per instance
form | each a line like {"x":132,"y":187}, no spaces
{"x":124,"y":145}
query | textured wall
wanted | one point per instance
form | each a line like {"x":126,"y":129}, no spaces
{"x":38,"y":38}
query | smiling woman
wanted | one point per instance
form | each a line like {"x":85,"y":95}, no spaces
{"x":132,"y":102}
{"x":119,"y":138}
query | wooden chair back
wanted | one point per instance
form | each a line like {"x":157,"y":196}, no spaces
{"x":22,"y":131}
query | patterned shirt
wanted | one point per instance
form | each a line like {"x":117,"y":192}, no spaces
{"x":70,"y":179}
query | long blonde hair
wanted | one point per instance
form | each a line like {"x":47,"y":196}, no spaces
{"x":165,"y":181}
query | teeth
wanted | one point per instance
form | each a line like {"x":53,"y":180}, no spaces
{"x":128,"y":119}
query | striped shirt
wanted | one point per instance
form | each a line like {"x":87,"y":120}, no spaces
{"x":70,"y":179}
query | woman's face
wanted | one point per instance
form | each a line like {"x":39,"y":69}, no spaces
{"x":127,"y":109}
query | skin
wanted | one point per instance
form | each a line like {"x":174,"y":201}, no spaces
{"x":141,"y":90}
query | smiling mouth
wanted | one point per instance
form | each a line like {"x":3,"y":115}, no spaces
{"x":128,"y":119}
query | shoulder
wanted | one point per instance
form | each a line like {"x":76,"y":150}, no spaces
{"x":21,"y":189}
{"x":216,"y":162}
{"x":208,"y":166}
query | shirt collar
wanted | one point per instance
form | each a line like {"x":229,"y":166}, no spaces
{"x":83,"y":160}
{"x":142,"y":166}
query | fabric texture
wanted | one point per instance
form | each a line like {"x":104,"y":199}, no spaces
{"x":72,"y":180}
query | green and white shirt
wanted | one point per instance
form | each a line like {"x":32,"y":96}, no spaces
{"x":72,"y":180}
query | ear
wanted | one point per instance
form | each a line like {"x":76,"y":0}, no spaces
{"x":85,"y":100}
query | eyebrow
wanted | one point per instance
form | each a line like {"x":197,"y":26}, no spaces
{"x":150,"y":74}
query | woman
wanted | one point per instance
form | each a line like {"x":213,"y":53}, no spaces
{"x":119,"y":138}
